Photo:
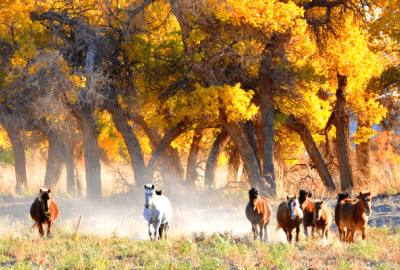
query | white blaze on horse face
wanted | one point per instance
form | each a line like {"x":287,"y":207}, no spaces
{"x":293,"y":214}
{"x":149,"y":197}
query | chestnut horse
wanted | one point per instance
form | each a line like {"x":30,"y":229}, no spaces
{"x":322,"y":218}
{"x":290,"y":216}
{"x":258,"y":211}
{"x":341,"y":198}
{"x":354,"y":215}
{"x":307,"y":206}
{"x":44,"y":210}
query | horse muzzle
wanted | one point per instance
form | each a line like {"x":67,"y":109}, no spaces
{"x":368,"y":212}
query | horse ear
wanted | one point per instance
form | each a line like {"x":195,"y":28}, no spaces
{"x":308,"y":194}
{"x":49,"y":191}
{"x":295,"y":196}
{"x":361,"y":195}
{"x":144,"y":186}
{"x":152,"y":186}
{"x":40,"y":190}
{"x":287,"y":197}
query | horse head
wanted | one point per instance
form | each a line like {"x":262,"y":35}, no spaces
{"x":365,"y":200}
{"x":44,"y":197}
{"x":303,"y":198}
{"x":319,"y":208}
{"x":253,"y":195}
{"x":294,"y":206}
{"x":149,"y":195}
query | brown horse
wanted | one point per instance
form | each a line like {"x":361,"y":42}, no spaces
{"x":290,"y":216}
{"x":322,"y":218}
{"x":44,"y":210}
{"x":307,"y":206}
{"x":341,"y":199}
{"x":258,"y":211}
{"x":354,"y":215}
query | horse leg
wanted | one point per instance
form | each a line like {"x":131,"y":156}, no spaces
{"x":156,"y":228}
{"x":364,"y":233}
{"x":149,"y":224}
{"x":254,"y":229}
{"x":166,"y":227}
{"x":266,"y":234}
{"x":49,"y":229}
{"x":160,"y":231}
{"x":289,"y":235}
{"x":297,"y":234}
{"x":306,"y":230}
{"x":40,"y":227}
{"x":261,"y":225}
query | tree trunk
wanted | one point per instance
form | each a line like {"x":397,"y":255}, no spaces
{"x":247,"y":154}
{"x":329,"y":151}
{"x":70,"y":163}
{"x":191,"y":174}
{"x":131,"y":142}
{"x":54,"y":162}
{"x":234,"y":163}
{"x":212,"y":161}
{"x":162,"y":147}
{"x":297,"y":126}
{"x":170,"y":157}
{"x":267,"y":114}
{"x":363,"y":153}
{"x":250,"y":133}
{"x":19,"y":154}
{"x":91,"y":154}
{"x":343,"y":135}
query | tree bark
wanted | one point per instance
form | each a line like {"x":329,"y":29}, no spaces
{"x":297,"y":126}
{"x":329,"y":151}
{"x":70,"y":163}
{"x":343,"y":135}
{"x":90,"y":137}
{"x":170,"y":157}
{"x":162,"y":147}
{"x":363,"y":153}
{"x":267,"y":115}
{"x":247,"y":154}
{"x":19,"y":154}
{"x":250,"y":133}
{"x":131,"y":141}
{"x":54,"y":162}
{"x":212,"y":161}
{"x":191,"y":174}
{"x":234,"y":163}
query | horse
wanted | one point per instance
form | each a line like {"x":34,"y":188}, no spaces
{"x":307,"y":206}
{"x":354,"y":215}
{"x":290,"y":216}
{"x":44,"y":210}
{"x":322,"y":218}
{"x":258,"y":211}
{"x":157,"y":211}
{"x":341,"y":198}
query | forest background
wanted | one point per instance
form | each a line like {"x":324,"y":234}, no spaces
{"x":100,"y":97}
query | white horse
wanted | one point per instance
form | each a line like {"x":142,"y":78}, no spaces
{"x":157,"y":211}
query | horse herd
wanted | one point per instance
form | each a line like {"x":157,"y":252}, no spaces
{"x":351,"y":214}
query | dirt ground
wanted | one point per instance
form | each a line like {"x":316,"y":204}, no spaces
{"x":122,"y":215}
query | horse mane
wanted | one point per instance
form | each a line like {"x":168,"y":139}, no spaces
{"x":303,"y":193}
{"x":343,"y":196}
{"x":253,"y":192}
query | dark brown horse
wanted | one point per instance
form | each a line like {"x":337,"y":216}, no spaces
{"x":258,"y":212}
{"x":44,"y":210}
{"x":341,"y":198}
{"x":290,"y":216}
{"x":307,"y":206}
{"x":354,"y":215}
{"x":322,"y":218}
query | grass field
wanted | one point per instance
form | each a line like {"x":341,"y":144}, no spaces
{"x":381,"y":250}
